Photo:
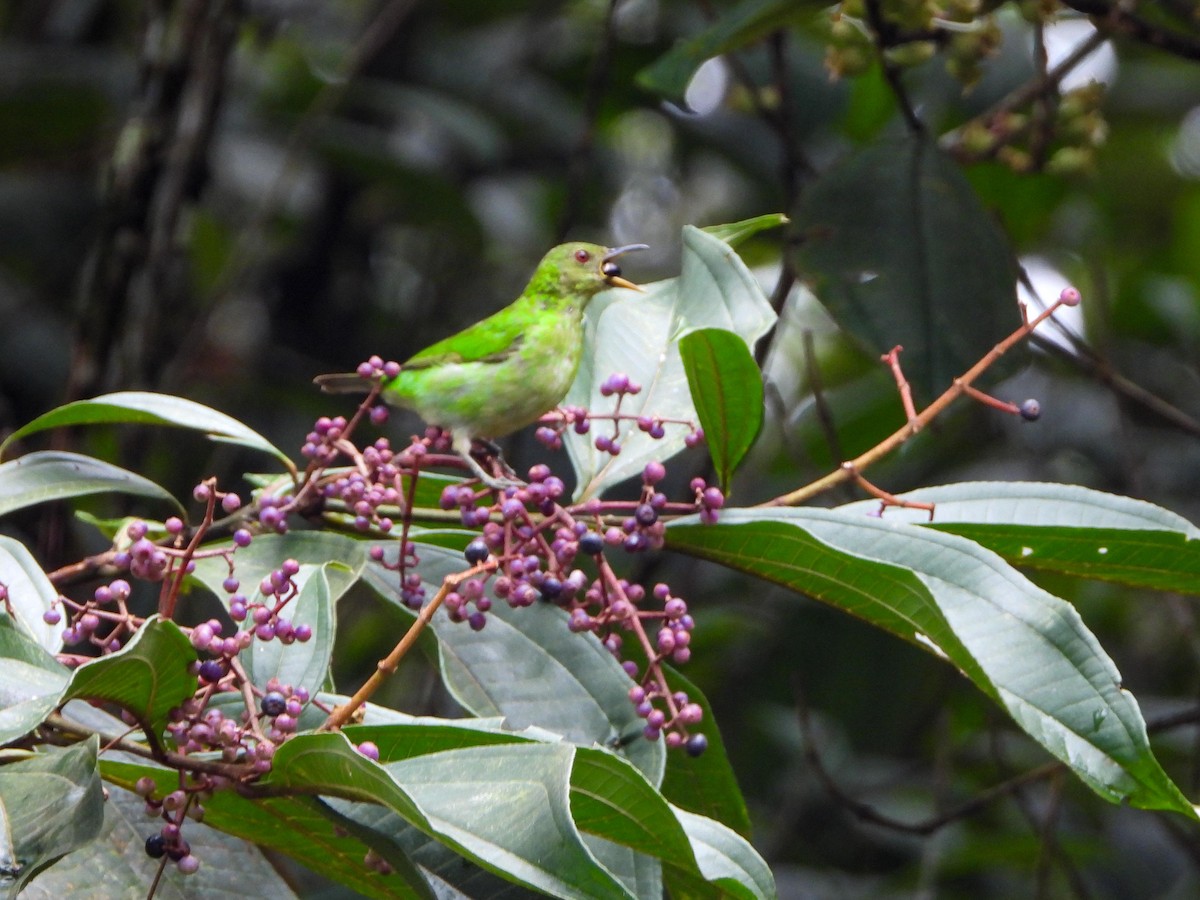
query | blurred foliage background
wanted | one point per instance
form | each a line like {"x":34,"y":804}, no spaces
{"x":222,"y":199}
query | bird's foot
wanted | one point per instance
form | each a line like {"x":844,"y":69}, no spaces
{"x":500,"y":480}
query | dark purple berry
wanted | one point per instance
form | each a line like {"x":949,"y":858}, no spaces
{"x":211,"y":671}
{"x":274,"y":704}
{"x":179,"y":851}
{"x":551,"y":588}
{"x":696,"y":745}
{"x":476,"y":552}
{"x":155,"y":846}
{"x":592,"y":544}
{"x":646,"y":514}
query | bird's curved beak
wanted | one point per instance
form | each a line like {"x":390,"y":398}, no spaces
{"x":612,"y":272}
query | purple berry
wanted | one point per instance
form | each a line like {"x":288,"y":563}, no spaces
{"x":476,"y":552}
{"x":646,"y":514}
{"x":696,"y":745}
{"x":274,"y":704}
{"x":188,"y":865}
{"x":369,"y":750}
{"x":211,"y":671}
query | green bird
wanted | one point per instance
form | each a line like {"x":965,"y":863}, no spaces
{"x":508,"y":370}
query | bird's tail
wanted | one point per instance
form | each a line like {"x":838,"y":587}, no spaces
{"x":343,"y":383}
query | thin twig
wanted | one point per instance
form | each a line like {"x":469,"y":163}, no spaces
{"x":1118,"y":18}
{"x":386,"y":666}
{"x":847,"y":471}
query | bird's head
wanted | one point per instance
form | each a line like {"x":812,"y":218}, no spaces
{"x":586,"y":269}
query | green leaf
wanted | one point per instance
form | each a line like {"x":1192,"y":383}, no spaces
{"x":528,"y":838}
{"x":50,"y":804}
{"x":1067,"y":529}
{"x":610,"y":800}
{"x":704,"y":784}
{"x":1025,"y":648}
{"x":303,"y":828}
{"x":726,"y":858}
{"x":527,"y":666}
{"x":639,"y":336}
{"x":906,"y":255}
{"x":31,"y":682}
{"x":115,"y":864}
{"x":735,"y":233}
{"x":57,"y":475}
{"x":329,"y":565}
{"x":745,"y":24}
{"x":30,"y":594}
{"x":727,"y":391}
{"x":148,"y":676}
{"x":145,"y":408}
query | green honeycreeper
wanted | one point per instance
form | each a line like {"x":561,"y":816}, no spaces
{"x":508,"y":370}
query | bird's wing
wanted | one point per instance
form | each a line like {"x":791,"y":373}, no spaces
{"x":493,"y":340}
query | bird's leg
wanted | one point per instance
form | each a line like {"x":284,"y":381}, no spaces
{"x":462,"y":444}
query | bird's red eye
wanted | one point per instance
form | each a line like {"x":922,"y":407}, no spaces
{"x":582,"y":256}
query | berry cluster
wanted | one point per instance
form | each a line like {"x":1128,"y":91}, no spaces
{"x":173,"y":809}
{"x":278,"y":589}
{"x":528,"y":551}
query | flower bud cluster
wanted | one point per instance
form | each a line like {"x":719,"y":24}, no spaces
{"x":911,"y":32}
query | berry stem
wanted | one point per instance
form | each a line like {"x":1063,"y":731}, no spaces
{"x":386,"y":666}
{"x":847,"y":470}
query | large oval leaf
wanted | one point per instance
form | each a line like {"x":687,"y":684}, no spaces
{"x":301,"y":827}
{"x":727,"y":391}
{"x":1025,"y":648}
{"x":31,"y":682}
{"x":506,"y":807}
{"x":30,"y":593}
{"x":1065,"y":528}
{"x":146,"y":408}
{"x":148,"y":676}
{"x":527,"y":666}
{"x":906,"y":254}
{"x":49,"y":805}
{"x":57,"y":475}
